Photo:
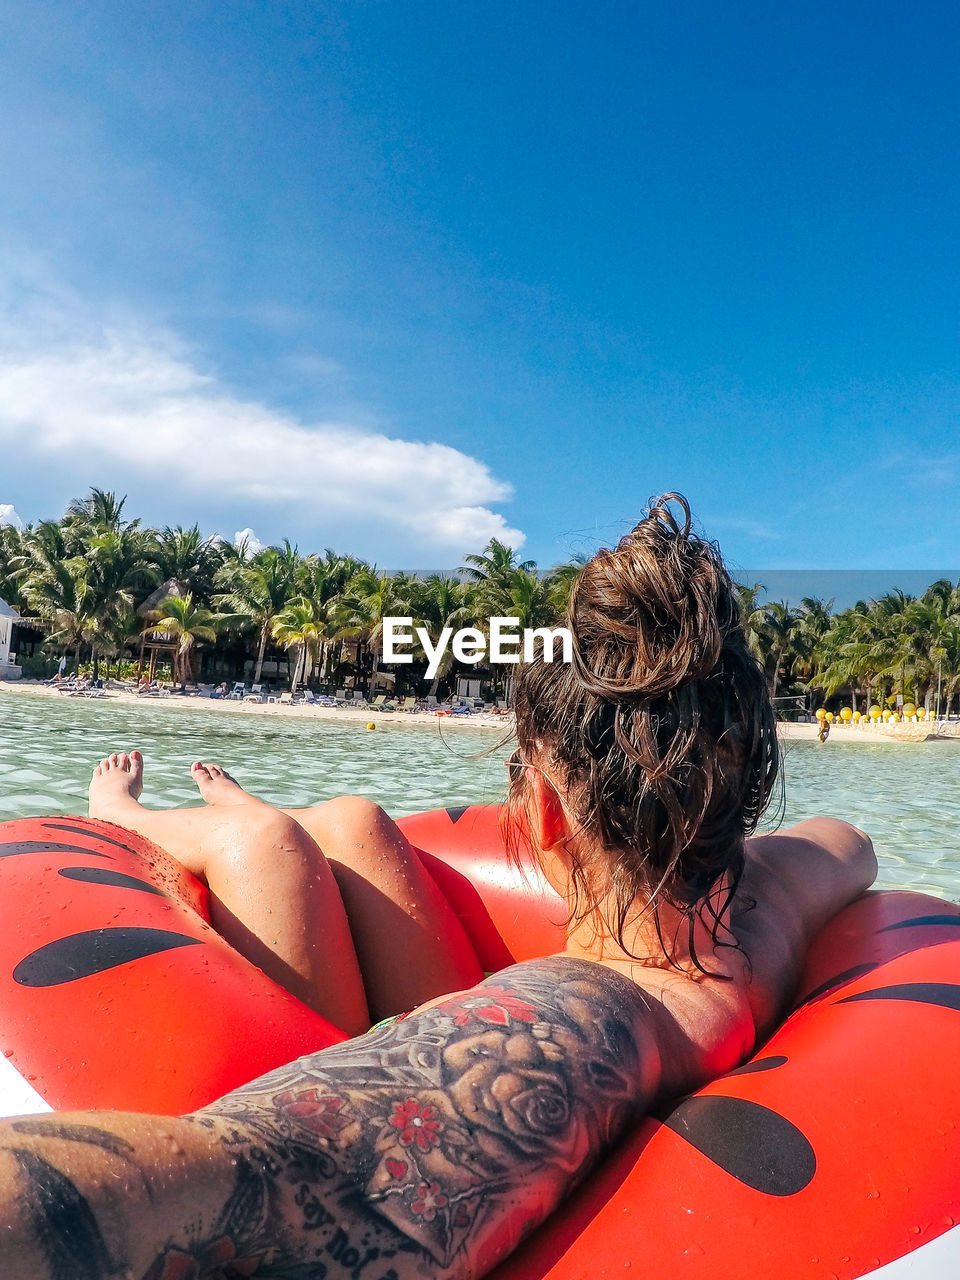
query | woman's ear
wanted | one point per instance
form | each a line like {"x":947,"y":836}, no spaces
{"x":548,"y":818}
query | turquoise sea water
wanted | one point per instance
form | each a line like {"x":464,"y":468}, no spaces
{"x":906,"y":796}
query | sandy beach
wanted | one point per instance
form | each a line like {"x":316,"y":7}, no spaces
{"x":247,"y":707}
{"x":865,"y":734}
{"x":868,"y":734}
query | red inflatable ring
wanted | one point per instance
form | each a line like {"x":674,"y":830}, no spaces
{"x":834,"y":1152}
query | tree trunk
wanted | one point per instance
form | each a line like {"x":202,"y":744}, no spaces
{"x":296,"y":671}
{"x":263,"y":646}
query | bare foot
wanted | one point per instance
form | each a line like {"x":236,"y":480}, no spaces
{"x":116,"y":785}
{"x":217,"y":787}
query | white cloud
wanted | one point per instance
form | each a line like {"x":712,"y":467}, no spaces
{"x":247,"y":539}
{"x":8,"y":515}
{"x":126,"y":397}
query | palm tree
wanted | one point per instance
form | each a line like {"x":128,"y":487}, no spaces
{"x":100,"y":510}
{"x":779,"y":626}
{"x":186,"y":556}
{"x":61,"y":598}
{"x":438,"y":602}
{"x":752,"y":616}
{"x":119,"y":567}
{"x":369,"y":598}
{"x":297,"y":626}
{"x":258,"y":589}
{"x":493,"y":574}
{"x":562,"y":578}
{"x":189,"y":624}
{"x":12,"y":551}
{"x":78,"y":574}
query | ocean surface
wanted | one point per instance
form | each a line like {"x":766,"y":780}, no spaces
{"x":907,"y":796}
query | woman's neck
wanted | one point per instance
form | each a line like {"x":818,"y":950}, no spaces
{"x":706,"y":1022}
{"x":665,"y":938}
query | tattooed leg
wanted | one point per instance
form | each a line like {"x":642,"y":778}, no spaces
{"x":426,"y":1149}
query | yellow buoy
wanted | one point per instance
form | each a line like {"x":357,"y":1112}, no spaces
{"x":921,"y":713}
{"x":371,"y":725}
{"x":820,"y":713}
{"x":909,"y":709}
{"x":874,"y":712}
{"x":846,"y":713}
{"x":829,"y":717}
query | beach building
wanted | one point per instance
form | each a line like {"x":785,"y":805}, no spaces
{"x":8,"y":666}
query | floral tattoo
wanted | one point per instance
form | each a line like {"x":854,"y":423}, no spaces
{"x":428,"y":1147}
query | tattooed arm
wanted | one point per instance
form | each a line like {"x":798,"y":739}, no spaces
{"x":426,"y":1148}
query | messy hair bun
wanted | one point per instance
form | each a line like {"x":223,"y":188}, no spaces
{"x":660,"y":731}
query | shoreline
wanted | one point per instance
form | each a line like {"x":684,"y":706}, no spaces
{"x":302,"y":711}
{"x":870,"y":735}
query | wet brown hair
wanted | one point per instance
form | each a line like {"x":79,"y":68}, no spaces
{"x":660,"y":733}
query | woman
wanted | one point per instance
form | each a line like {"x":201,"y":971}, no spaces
{"x":430,"y":1145}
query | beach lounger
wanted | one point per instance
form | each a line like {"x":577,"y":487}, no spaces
{"x":256,"y":694}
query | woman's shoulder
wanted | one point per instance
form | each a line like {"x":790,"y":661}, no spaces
{"x":794,"y":882}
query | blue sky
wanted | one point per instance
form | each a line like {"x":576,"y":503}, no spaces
{"x":398,"y":277}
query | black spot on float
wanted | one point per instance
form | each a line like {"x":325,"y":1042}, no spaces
{"x":857,"y":971}
{"x":114,"y":879}
{"x":11,"y":848}
{"x":949,"y":921}
{"x":93,"y":835}
{"x":456,"y":812}
{"x":755,"y":1145}
{"x":761,"y":1064}
{"x":82,"y":954}
{"x":946,"y":995}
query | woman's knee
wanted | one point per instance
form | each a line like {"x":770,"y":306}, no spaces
{"x":354,"y":814}
{"x":265,"y":835}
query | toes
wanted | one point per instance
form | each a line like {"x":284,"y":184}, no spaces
{"x":123,"y":761}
